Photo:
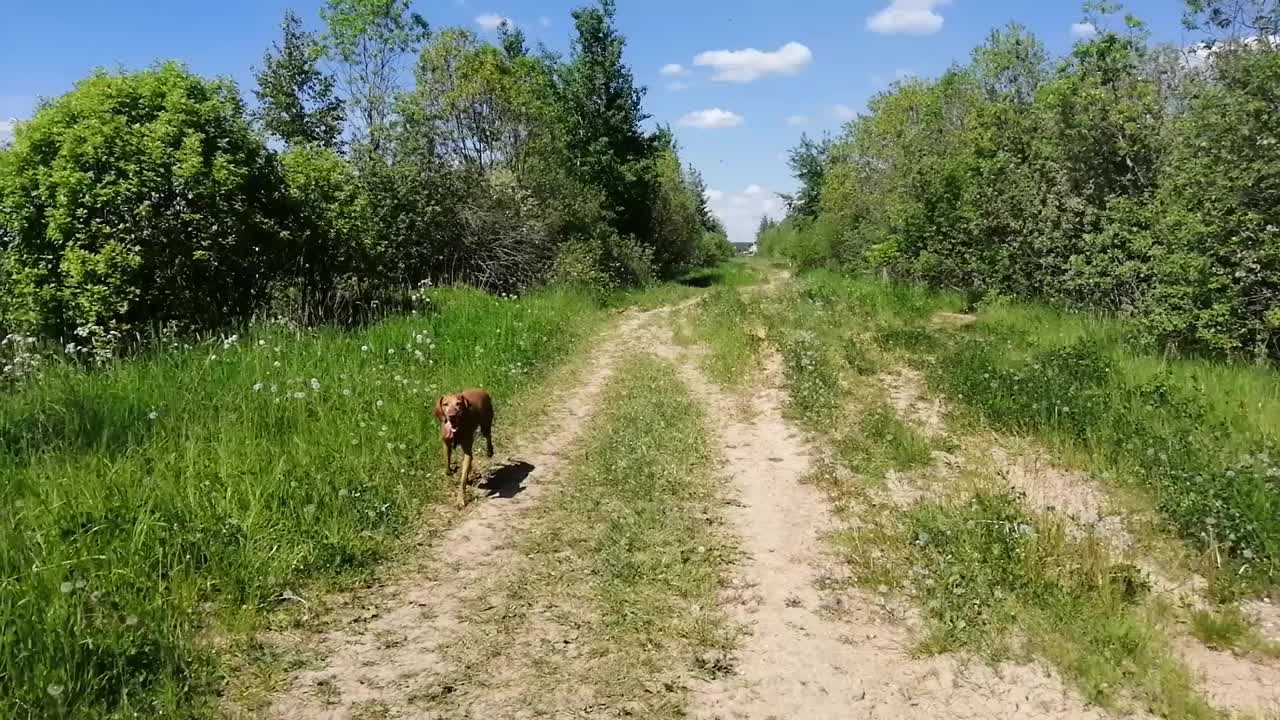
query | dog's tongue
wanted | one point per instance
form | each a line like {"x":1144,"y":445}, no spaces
{"x":448,"y":427}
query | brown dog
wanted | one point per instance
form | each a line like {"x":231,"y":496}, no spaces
{"x":460,"y":416}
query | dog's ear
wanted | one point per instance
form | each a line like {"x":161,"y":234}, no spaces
{"x":466,"y":404}
{"x":438,"y":410}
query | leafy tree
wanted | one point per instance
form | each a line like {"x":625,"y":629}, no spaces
{"x":296,"y":99}
{"x":808,"y":163}
{"x":371,"y":39}
{"x":603,"y":115}
{"x":698,"y":187}
{"x":139,"y":198}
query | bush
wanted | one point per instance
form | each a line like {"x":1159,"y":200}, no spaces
{"x":139,"y":198}
{"x":713,"y":248}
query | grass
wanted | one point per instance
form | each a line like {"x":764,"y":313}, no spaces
{"x":995,"y":579}
{"x":1227,"y":628}
{"x":627,"y":560}
{"x":189,"y":488}
{"x":732,"y":334}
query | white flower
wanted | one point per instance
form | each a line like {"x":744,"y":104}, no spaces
{"x":66,"y":587}
{"x":346,"y":393}
{"x":364,"y":348}
{"x":153,"y":415}
{"x":53,"y":689}
{"x":391,"y":351}
{"x":274,"y":387}
{"x":315,"y":385}
{"x":257,"y":387}
{"x":261,"y":343}
{"x":379,"y":403}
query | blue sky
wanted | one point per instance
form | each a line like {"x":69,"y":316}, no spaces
{"x":752,"y":75}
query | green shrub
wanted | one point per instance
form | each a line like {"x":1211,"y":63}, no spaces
{"x":139,"y":198}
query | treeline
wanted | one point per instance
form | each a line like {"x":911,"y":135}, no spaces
{"x":1126,"y":176}
{"x":381,"y":155}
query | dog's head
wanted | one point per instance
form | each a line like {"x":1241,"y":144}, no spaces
{"x":450,"y":409}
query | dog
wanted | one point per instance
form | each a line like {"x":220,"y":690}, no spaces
{"x":460,"y":416}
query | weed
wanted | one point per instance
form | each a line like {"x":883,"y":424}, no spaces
{"x":1227,"y":628}
{"x":996,"y":579}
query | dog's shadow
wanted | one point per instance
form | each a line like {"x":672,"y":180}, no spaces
{"x":507,"y":480}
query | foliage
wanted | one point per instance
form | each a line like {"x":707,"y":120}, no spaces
{"x":370,"y":40}
{"x":139,"y":199}
{"x":603,"y":111}
{"x":296,"y":100}
{"x":1119,"y":177}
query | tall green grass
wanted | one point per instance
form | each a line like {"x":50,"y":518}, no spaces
{"x":148,"y":503}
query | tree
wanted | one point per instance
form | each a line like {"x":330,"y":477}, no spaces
{"x":1011,"y":65}
{"x":296,"y":99}
{"x":603,"y":109}
{"x":1235,"y":19}
{"x":698,"y":187}
{"x":139,"y":198}
{"x":808,"y":163}
{"x":371,"y":39}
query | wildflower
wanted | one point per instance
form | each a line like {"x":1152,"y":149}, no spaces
{"x":275,"y":364}
{"x":379,"y":403}
{"x":344,"y":492}
{"x":213,"y":358}
{"x":315,"y":385}
{"x":391,"y":351}
{"x":66,"y":587}
{"x":346,"y":392}
{"x":364,"y":348}
{"x":257,"y":387}
{"x":54,"y":690}
{"x":153,"y":415}
{"x":261,"y":343}
{"x":274,"y":387}
{"x":299,"y":395}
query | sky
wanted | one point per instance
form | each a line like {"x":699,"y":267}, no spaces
{"x":738,"y":80}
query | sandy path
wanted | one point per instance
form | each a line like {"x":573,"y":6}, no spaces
{"x":799,"y":659}
{"x":391,"y":637}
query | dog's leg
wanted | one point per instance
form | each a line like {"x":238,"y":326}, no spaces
{"x":488,"y":438}
{"x":448,"y":456}
{"x":462,"y":482}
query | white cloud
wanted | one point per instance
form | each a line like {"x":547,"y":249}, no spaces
{"x":6,"y":131}
{"x":493,"y":21}
{"x":713,"y":118}
{"x":673,"y":70}
{"x":797,"y":120}
{"x":544,"y":21}
{"x":744,"y":66}
{"x":1083,"y":30}
{"x":678,"y":86}
{"x":843,"y":113}
{"x":908,"y":17}
{"x":740,"y":212}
